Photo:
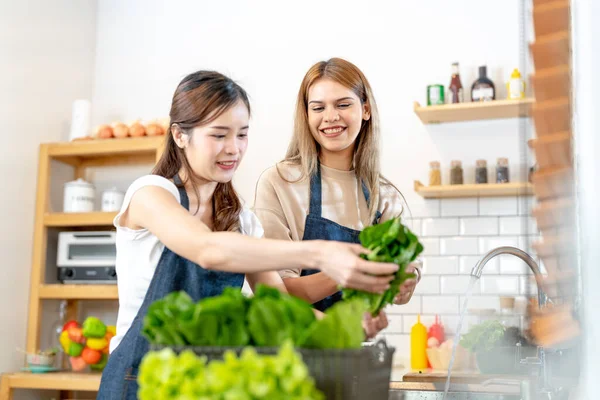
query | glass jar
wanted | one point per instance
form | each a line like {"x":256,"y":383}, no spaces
{"x":502,"y":170}
{"x":456,"y":172}
{"x":435,"y":175}
{"x":481,"y":171}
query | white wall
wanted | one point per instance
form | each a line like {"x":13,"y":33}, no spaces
{"x":145,"y":48}
{"x":46,"y":61}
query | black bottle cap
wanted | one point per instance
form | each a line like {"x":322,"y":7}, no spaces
{"x":482,"y":71}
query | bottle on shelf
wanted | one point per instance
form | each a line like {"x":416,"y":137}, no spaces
{"x":515,"y":86}
{"x":483,"y":88}
{"x":435,"y":175}
{"x":455,"y":90}
{"x":56,"y":330}
{"x":481,"y":174}
{"x":418,"y":346}
{"x":456,"y":172}
{"x":502,"y":175}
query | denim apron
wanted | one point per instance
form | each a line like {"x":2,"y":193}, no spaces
{"x":318,"y":228}
{"x":173,"y":273}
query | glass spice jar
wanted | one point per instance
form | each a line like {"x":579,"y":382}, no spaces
{"x":435,"y":175}
{"x":502,"y":170}
{"x":456,"y":173}
{"x":481,"y":175}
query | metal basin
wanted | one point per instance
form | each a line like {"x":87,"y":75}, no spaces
{"x":435,"y":391}
{"x":430,"y":395}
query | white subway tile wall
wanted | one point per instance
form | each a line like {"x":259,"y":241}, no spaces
{"x":455,"y":234}
{"x":489,"y":243}
{"x":440,"y":304}
{"x":429,"y":284}
{"x":498,"y":206}
{"x":458,"y":246}
{"x":435,"y":265}
{"x":459,"y":207}
{"x":424,"y":209}
{"x":440,"y":227}
{"x":518,"y":226}
{"x":479,"y":226}
{"x":458,"y":284}
{"x":431,"y":247}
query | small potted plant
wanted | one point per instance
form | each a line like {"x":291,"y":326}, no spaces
{"x":495,"y":347}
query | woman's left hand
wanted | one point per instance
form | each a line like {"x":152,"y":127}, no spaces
{"x":373,"y":325}
{"x":408,"y":286}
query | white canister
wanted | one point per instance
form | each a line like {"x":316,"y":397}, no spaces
{"x":112,"y":200}
{"x":79,"y":196}
{"x":80,"y":119}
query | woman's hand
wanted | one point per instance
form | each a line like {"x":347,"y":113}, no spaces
{"x":341,"y":262}
{"x":408,"y":286}
{"x":373,"y":325}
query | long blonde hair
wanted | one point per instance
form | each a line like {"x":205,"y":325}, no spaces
{"x":304,"y":150}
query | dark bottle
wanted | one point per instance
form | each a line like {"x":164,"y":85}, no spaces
{"x":455,"y":90}
{"x":483,"y":88}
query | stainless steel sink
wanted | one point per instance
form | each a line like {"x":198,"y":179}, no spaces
{"x":432,"y":395}
{"x":435,"y":391}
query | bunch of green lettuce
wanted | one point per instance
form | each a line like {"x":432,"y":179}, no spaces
{"x":268,"y":319}
{"x":391,"y":242}
{"x":274,"y":317}
{"x":214,"y":321}
{"x":484,"y":336}
{"x":284,"y":376}
{"x":340,"y":328}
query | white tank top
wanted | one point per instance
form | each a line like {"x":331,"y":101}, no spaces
{"x":138,"y":253}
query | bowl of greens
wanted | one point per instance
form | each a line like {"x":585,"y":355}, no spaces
{"x":495,"y":347}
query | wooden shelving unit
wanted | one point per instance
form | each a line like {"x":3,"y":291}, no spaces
{"x":87,"y":382}
{"x":79,"y":292}
{"x":80,"y":155}
{"x":473,"y":190}
{"x":79,"y":219}
{"x":474,"y":111}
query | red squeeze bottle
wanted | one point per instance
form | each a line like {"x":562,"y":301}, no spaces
{"x":437,"y":331}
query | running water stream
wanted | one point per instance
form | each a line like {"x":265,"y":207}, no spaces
{"x":463,"y":311}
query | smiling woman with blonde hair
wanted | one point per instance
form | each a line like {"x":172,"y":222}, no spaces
{"x":329,"y":186}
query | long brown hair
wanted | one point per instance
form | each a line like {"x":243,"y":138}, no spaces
{"x":304,"y":149}
{"x":199,"y":99}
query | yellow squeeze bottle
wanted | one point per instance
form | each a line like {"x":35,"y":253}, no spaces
{"x":515,"y":86}
{"x":418,"y":346}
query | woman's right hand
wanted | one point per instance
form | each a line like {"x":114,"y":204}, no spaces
{"x":341,"y":262}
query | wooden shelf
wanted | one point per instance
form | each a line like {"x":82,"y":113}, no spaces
{"x":474,"y":111}
{"x":89,"y":382}
{"x":474,"y":190}
{"x":106,"y":151}
{"x":79,"y":292}
{"x":79,"y":219}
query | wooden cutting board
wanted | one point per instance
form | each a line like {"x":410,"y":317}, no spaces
{"x":457,"y":377}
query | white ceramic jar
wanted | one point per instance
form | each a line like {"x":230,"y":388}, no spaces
{"x":79,"y":196}
{"x":112,"y":199}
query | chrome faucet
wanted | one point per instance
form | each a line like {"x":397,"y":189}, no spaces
{"x":539,"y":362}
{"x":478,"y":268}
